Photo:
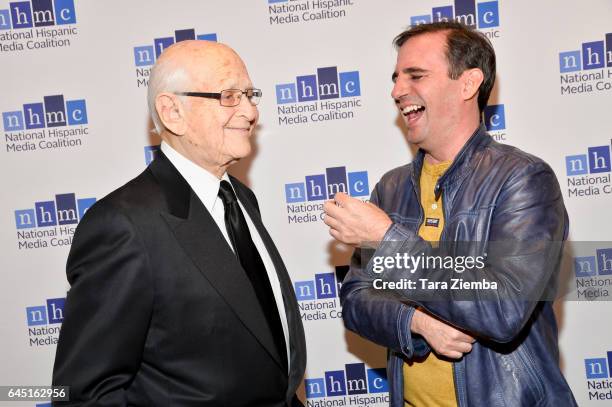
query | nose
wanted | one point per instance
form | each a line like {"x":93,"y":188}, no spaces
{"x":247,"y":109}
{"x":400,"y":90}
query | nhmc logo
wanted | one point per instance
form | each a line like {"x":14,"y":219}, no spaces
{"x":324,"y":286}
{"x":324,"y":186}
{"x":590,"y":266}
{"x":596,"y":161}
{"x":147,"y":55}
{"x":592,"y":55}
{"x":486,"y":15}
{"x":599,"y":368}
{"x":64,"y":210}
{"x":52,"y":112}
{"x":495,"y":117}
{"x":50,"y":313}
{"x":37,"y":13}
{"x":354,"y":379}
{"x":328,"y":83}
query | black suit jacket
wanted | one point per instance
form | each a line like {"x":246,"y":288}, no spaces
{"x":160,"y":312}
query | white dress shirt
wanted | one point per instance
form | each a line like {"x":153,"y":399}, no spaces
{"x":206,"y":187}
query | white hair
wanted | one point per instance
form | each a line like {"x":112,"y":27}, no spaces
{"x":166,"y":76}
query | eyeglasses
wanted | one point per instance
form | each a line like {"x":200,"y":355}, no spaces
{"x":228,"y":97}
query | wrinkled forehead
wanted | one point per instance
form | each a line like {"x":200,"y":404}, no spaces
{"x":217,"y":72}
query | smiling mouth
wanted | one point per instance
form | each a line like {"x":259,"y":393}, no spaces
{"x":413,"y":112}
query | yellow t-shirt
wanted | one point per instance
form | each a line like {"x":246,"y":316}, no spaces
{"x":428,"y":381}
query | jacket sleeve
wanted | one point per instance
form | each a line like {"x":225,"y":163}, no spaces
{"x":377,"y":315}
{"x":107,"y":312}
{"x":523,"y":251}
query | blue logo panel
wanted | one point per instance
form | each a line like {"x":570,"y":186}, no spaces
{"x":45,"y":214}
{"x":66,"y":209}
{"x":307,"y":88}
{"x":304,"y":290}
{"x":604,"y":262}
{"x":610,"y":363}
{"x":336,"y":181}
{"x":161,"y":44}
{"x":64,"y":12}
{"x":442,"y":13}
{"x":12,"y":121}
{"x":609,"y":49}
{"x":36,"y":315}
{"x":55,"y":113}
{"x":495,"y":117}
{"x":286,"y":93}
{"x":596,"y":368}
{"x":377,"y":380}
{"x":593,"y":55}
{"x":43,"y":13}
{"x":576,"y":165}
{"x":151,"y":153}
{"x":358,"y":183}
{"x":25,"y":218}
{"x":326,"y":285}
{"x":21,"y":14}
{"x":416,"y":20}
{"x":295,"y":192}
{"x":143,"y":56}
{"x":5,"y":20}
{"x":55,"y":310}
{"x":465,"y":12}
{"x":314,"y":388}
{"x":34,"y":115}
{"x":350,"y":86}
{"x":599,"y":159}
{"x":585,"y":266}
{"x":328,"y":83}
{"x":356,"y":382}
{"x":570,"y":61}
{"x":488,"y":14}
{"x":76,"y":111}
{"x":84,"y":204}
{"x":208,"y":37}
{"x":335,"y":384}
{"x":316,"y":189}
{"x":183,"y":35}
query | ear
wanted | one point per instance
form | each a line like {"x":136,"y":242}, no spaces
{"x":171,"y":113}
{"x":471,"y":80}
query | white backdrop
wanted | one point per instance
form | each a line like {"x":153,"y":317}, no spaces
{"x":551,"y":99}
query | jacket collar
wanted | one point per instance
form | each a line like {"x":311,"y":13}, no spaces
{"x":462,"y":164}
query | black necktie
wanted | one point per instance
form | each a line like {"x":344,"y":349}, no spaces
{"x":252,"y":264}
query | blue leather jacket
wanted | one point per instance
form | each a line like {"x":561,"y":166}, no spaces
{"x":491,"y":192}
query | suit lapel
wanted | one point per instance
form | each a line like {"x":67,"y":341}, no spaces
{"x":296,"y":329}
{"x":200,"y":237}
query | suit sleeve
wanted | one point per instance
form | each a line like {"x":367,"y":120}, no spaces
{"x":107,"y":312}
{"x":377,"y":315}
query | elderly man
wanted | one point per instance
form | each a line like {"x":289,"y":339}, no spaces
{"x":498,"y":348}
{"x":178,"y":294}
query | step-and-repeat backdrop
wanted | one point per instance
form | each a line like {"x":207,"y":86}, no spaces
{"x":75,"y":126}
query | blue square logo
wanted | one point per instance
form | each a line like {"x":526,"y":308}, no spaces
{"x":495,"y":117}
{"x":570,"y":61}
{"x":314,"y":388}
{"x":295,"y":192}
{"x":585,"y":266}
{"x":604,"y":262}
{"x":5,"y":20}
{"x":326,"y":285}
{"x":207,"y":37}
{"x":335,"y":383}
{"x":160,"y":44}
{"x":488,"y":14}
{"x":34,"y":115}
{"x":356,"y":382}
{"x":305,"y":290}
{"x":55,"y":310}
{"x":358,"y":183}
{"x":144,"y":56}
{"x":416,"y":20}
{"x":599,"y":159}
{"x":350,"y":86}
{"x":377,"y":380}
{"x":286,"y":93}
{"x":576,"y":165}
{"x":21,"y":14}
{"x":36,"y":315}
{"x":444,"y":13}
{"x":76,"y":111}
{"x":45,"y":214}
{"x":307,"y":88}
{"x":84,"y":204}
{"x":593,"y":55}
{"x":316,"y":188}
{"x":25,"y":218}
{"x":64,"y":12}
{"x":596,"y":368}
{"x":12,"y":121}
{"x":151,"y":153}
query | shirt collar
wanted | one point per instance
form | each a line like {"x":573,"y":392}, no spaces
{"x":204,"y":184}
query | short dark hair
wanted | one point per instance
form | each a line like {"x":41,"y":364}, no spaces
{"x":466,"y":48}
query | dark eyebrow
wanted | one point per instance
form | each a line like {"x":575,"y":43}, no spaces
{"x":409,"y":71}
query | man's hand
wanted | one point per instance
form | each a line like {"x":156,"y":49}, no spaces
{"x":444,"y":339}
{"x":355,"y":222}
